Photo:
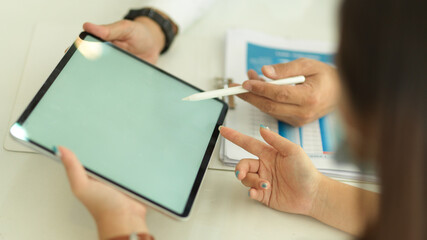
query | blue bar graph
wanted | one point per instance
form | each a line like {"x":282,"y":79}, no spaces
{"x":259,"y":56}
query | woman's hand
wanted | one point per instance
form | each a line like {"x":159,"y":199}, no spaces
{"x":299,"y":104}
{"x":283,"y":178}
{"x":142,"y":37}
{"x":115,"y":213}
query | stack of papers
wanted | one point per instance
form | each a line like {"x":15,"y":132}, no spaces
{"x":246,"y":49}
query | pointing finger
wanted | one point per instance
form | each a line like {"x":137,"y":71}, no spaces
{"x":250,"y":144}
{"x":301,"y":66}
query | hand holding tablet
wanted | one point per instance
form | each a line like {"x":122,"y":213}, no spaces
{"x":125,"y":121}
{"x":102,"y":201}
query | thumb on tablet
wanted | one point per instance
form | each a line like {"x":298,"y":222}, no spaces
{"x":75,"y":171}
{"x":108,"y":32}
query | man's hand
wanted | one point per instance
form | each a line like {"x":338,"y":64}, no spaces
{"x":142,"y":37}
{"x":299,"y":104}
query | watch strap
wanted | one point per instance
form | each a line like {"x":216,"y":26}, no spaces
{"x":165,"y":24}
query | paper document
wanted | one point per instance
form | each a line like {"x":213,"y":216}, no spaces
{"x":246,"y":50}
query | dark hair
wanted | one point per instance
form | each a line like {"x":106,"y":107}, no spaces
{"x":382,"y":61}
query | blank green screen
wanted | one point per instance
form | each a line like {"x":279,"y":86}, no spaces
{"x":126,"y":121}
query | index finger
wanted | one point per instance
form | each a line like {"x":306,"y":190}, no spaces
{"x":250,"y":144}
{"x":301,"y":66}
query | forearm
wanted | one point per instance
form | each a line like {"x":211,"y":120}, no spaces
{"x":109,"y":228}
{"x":345,"y":207}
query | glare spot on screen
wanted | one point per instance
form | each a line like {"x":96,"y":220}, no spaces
{"x":19,"y":132}
{"x":90,"y":50}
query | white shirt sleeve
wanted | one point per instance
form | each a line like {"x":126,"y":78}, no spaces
{"x":182,"y":12}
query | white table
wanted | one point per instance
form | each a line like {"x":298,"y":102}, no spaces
{"x":35,"y":199}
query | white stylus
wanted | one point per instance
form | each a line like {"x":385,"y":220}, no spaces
{"x":239,"y":89}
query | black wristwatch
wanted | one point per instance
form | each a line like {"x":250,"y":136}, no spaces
{"x":165,"y":24}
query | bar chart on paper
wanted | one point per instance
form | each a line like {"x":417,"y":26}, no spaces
{"x":315,"y":138}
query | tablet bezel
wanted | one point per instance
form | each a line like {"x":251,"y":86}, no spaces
{"x":49,"y":152}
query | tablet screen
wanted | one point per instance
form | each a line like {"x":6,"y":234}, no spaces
{"x":126,"y":122}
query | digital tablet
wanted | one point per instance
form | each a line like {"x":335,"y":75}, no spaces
{"x":126,"y":122}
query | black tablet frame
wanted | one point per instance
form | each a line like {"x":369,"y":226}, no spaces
{"x":204,"y":163}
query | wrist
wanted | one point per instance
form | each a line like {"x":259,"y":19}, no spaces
{"x":126,"y":224}
{"x":159,"y":39}
{"x":321,"y":197}
{"x":163,"y":21}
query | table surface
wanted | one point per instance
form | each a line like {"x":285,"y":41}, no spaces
{"x":35,"y":199}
